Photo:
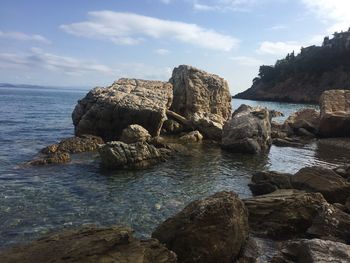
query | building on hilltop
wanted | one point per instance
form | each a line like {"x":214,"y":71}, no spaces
{"x":339,"y":41}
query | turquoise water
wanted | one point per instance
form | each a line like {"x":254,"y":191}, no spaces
{"x":36,"y":200}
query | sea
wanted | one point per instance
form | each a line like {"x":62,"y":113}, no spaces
{"x":36,"y":200}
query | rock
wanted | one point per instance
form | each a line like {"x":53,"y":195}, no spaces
{"x":194,"y":136}
{"x":307,"y":119}
{"x":119,"y":155}
{"x":202,"y":98}
{"x":275,"y":114}
{"x":249,"y":131}
{"x":283,"y":213}
{"x":89,"y":245}
{"x":52,"y":158}
{"x":347,"y":204}
{"x":208,"y":230}
{"x":343,"y":171}
{"x":313,"y":251}
{"x":305,"y":133}
{"x":287,"y":142}
{"x":268,"y":182}
{"x":135,"y":133}
{"x":335,"y":113}
{"x":340,"y":143}
{"x":250,"y":252}
{"x":172,"y":127}
{"x":332,"y":186}
{"x":332,"y":224}
{"x":106,"y":112}
{"x":83,"y":143}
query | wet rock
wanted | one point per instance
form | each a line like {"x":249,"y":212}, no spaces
{"x":105,"y":112}
{"x":83,"y":143}
{"x":201,"y":97}
{"x":194,"y":136}
{"x":52,"y":158}
{"x":343,"y":171}
{"x":332,"y":186}
{"x":341,"y":143}
{"x":119,"y":155}
{"x":287,"y":142}
{"x":172,"y":127}
{"x":208,"y":230}
{"x":268,"y":182}
{"x":307,"y":119}
{"x":135,"y":133}
{"x":283,"y":213}
{"x":335,"y":113}
{"x":89,"y":245}
{"x":313,"y":251}
{"x":249,"y":131}
{"x":250,"y":252}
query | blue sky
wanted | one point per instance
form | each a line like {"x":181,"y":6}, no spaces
{"x":90,"y":43}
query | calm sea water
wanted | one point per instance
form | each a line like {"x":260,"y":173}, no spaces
{"x":37,"y":200}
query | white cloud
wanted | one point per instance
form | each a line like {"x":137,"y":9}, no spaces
{"x":224,"y":5}
{"x":40,"y":59}
{"x":131,"y":29}
{"x":276,"y":27}
{"x":247,"y":61}
{"x":201,"y":7}
{"x":162,"y":51}
{"x":23,"y":37}
{"x":278,"y":48}
{"x":334,"y":12}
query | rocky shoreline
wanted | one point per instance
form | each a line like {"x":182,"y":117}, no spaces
{"x":134,"y":124}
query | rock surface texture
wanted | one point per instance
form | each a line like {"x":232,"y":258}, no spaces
{"x":335,"y":113}
{"x":105,"y":112}
{"x":202,"y":98}
{"x":214,"y":229}
{"x":268,"y":182}
{"x":307,"y":119}
{"x":249,"y":131}
{"x":135,"y":133}
{"x":313,"y":251}
{"x":90,"y":245}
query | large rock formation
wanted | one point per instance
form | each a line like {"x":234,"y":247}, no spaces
{"x":107,"y":111}
{"x":90,"y":245}
{"x":210,"y":230}
{"x":202,"y":98}
{"x":335,"y":113}
{"x":249,"y":131}
{"x":313,"y":251}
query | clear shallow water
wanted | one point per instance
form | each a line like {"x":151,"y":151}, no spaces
{"x":36,"y":200}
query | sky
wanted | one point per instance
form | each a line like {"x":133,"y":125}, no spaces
{"x":88,"y":43}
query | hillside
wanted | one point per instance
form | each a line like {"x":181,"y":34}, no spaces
{"x":303,"y":77}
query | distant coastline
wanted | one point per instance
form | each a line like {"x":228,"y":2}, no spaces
{"x":30,"y":86}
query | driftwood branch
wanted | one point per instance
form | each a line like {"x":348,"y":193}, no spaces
{"x":179,"y":118}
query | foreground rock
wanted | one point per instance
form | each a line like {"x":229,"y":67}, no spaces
{"x":283,"y":213}
{"x":249,"y":131}
{"x":119,"y":155}
{"x":202,"y":98}
{"x":333,"y":187}
{"x":313,"y":251}
{"x":303,"y":120}
{"x":208,"y":230}
{"x":89,"y":245}
{"x":335,"y":113}
{"x":105,"y":112}
{"x":135,"y":133}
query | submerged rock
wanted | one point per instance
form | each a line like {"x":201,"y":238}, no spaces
{"x":313,"y":251}
{"x":107,"y":111}
{"x":119,"y":155}
{"x":208,"y":230}
{"x":332,"y":186}
{"x":249,"y":131}
{"x":90,"y":245}
{"x":135,"y":133}
{"x":335,"y":113}
{"x":194,"y":136}
{"x":52,"y":158}
{"x":201,"y":97}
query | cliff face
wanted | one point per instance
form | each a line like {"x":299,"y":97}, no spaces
{"x":303,"y":78}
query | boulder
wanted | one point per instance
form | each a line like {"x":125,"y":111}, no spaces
{"x":52,"y":158}
{"x":313,"y":251}
{"x":268,"y":182}
{"x":119,"y":155}
{"x":200,"y":95}
{"x":307,"y":119}
{"x":89,"y":245}
{"x":250,"y":252}
{"x":83,"y":143}
{"x":335,"y":113}
{"x":332,"y":186}
{"x":194,"y":136}
{"x":283,"y":213}
{"x":172,"y":127}
{"x":135,"y":133}
{"x":249,"y":131}
{"x":106,"y":112}
{"x":209,"y":230}
{"x":343,"y":171}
